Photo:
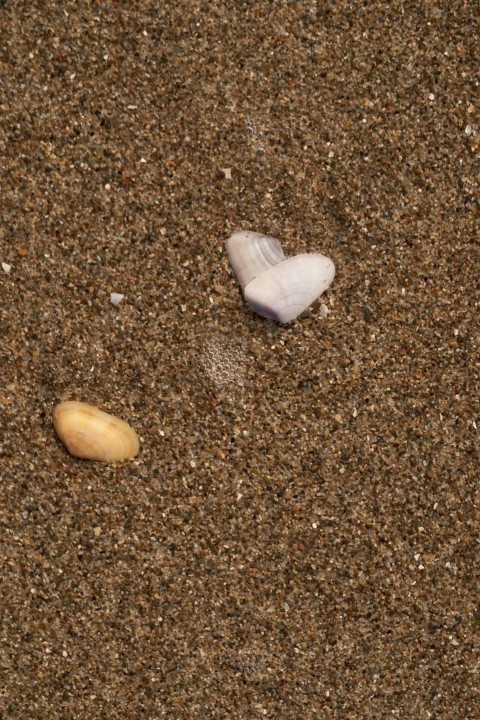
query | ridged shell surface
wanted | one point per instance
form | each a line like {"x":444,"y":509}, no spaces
{"x":90,"y":433}
{"x":286,"y":290}
{"x":251,"y":254}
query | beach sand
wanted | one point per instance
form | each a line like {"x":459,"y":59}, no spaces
{"x":298,"y":537}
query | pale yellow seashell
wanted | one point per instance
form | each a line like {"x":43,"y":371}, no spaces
{"x":90,"y":433}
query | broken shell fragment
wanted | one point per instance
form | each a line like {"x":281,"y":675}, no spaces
{"x":116,"y":298}
{"x":90,"y":433}
{"x":276,"y":287}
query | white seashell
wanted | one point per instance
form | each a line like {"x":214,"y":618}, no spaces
{"x":90,"y":433}
{"x":252,"y":253}
{"x":275,"y":287}
{"x":285,"y":291}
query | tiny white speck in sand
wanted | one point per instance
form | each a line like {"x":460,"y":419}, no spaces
{"x":116,"y":298}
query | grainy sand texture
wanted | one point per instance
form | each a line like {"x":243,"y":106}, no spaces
{"x":298,"y":537}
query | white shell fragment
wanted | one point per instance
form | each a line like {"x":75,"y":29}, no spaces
{"x":90,"y":433}
{"x":275,"y":287}
{"x":116,"y":298}
{"x":6,"y":268}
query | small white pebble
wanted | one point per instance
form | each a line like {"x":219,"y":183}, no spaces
{"x":6,"y":268}
{"x":455,"y":332}
{"x":355,"y":412}
{"x":324,"y":310}
{"x":107,"y":186}
{"x":142,"y":160}
{"x":97,"y":531}
{"x":193,"y":464}
{"x":431,"y":96}
{"x":116,"y":298}
{"x":228,"y":173}
{"x":314,"y":526}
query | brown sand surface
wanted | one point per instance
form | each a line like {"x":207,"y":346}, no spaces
{"x":298,"y":538}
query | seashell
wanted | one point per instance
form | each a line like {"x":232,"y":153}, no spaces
{"x":276,"y":287}
{"x":285,"y":291}
{"x":90,"y":433}
{"x":251,"y":254}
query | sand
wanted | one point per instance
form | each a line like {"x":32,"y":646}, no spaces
{"x":298,"y":537}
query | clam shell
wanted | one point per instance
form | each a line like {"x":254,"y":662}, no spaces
{"x":251,"y":254}
{"x":276,"y":287}
{"x":286,"y":290}
{"x":90,"y":433}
